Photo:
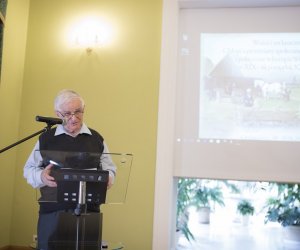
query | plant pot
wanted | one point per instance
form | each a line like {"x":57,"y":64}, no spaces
{"x":292,"y":233}
{"x":245,"y":220}
{"x":177,"y":236}
{"x":204,"y":215}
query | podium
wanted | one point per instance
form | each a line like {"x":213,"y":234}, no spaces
{"x":81,"y":190}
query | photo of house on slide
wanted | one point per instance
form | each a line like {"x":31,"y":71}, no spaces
{"x":250,"y":87}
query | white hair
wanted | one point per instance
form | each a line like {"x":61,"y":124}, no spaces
{"x":64,"y":96}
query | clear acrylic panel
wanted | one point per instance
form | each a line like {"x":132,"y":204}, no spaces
{"x":72,"y":168}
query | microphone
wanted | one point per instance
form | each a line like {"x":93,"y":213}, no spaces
{"x":49,"y":120}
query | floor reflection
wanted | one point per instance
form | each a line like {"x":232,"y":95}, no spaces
{"x":228,"y":233}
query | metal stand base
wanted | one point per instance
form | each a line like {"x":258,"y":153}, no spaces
{"x":77,"y":232}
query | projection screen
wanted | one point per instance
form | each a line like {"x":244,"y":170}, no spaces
{"x":238,"y":94}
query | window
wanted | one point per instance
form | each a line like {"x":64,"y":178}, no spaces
{"x":220,"y":214}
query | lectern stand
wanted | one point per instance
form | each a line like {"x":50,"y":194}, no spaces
{"x":82,"y":185}
{"x":79,"y":228}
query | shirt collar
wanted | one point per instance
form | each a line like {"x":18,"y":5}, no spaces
{"x":61,"y":130}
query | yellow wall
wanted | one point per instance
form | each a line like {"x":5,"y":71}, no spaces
{"x":10,"y":99}
{"x":120,"y":86}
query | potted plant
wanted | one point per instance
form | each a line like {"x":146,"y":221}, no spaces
{"x":285,"y":209}
{"x":200,"y":194}
{"x":184,"y":201}
{"x":206,"y":196}
{"x":245,"y":209}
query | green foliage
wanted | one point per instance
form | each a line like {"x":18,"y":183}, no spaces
{"x":198,"y":193}
{"x":207,"y":196}
{"x":184,"y":192}
{"x":285,"y":207}
{"x":245,"y":207}
{"x":208,"y":193}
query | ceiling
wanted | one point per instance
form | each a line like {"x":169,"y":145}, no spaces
{"x":236,"y":3}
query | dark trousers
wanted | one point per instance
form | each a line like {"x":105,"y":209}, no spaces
{"x":47,"y":224}
{"x":64,"y":230}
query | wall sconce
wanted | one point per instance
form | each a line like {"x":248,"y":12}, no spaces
{"x":91,"y":33}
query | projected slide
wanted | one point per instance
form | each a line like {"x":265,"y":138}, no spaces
{"x":250,"y":87}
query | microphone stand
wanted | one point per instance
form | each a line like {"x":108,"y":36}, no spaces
{"x":49,"y":125}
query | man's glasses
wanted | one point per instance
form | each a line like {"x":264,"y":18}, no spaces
{"x":68,"y":115}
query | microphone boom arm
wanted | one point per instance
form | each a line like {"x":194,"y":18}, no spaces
{"x":26,"y":138}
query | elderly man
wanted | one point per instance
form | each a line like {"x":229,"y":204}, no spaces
{"x":72,"y":135}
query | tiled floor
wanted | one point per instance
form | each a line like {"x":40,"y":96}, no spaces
{"x":223,"y":234}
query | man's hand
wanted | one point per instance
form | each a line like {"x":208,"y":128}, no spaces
{"x":110,"y":182}
{"x":47,"y":179}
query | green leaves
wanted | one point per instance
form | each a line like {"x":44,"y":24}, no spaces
{"x":245,"y":207}
{"x":284,"y":208}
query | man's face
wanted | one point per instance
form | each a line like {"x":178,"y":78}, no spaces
{"x":72,"y":115}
